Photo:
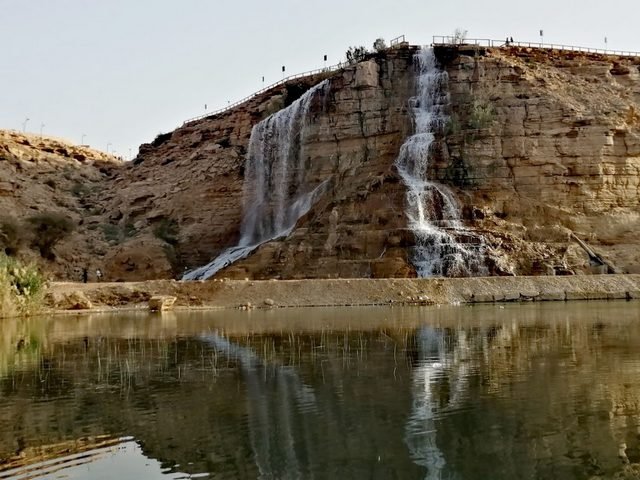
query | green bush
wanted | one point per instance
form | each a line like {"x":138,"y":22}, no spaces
{"x":116,"y":234}
{"x":11,"y":236}
{"x":356,"y":54}
{"x":161,"y":138}
{"x":379,"y":45}
{"x":452,"y":126}
{"x":48,"y":229}
{"x":481,"y":115}
{"x":21,"y":287}
{"x":80,"y":189}
{"x":167,"y":230}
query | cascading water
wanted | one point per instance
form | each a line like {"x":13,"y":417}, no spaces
{"x":432,"y":209}
{"x":276,"y":190}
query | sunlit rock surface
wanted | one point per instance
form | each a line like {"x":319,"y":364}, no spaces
{"x":538,"y":146}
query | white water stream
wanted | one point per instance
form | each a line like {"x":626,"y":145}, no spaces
{"x":432,"y":209}
{"x":276,"y":191}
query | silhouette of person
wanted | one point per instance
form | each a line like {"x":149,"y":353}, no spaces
{"x":98,"y":274}
{"x":85,"y":275}
{"x":511,"y":40}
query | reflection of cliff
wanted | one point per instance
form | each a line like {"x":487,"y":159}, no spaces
{"x":239,"y":415}
{"x":539,"y":401}
{"x":533,"y":391}
{"x":278,"y":406}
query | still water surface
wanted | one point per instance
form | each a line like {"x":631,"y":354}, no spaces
{"x":529,"y":391}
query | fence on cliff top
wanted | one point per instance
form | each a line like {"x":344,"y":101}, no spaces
{"x":437,"y":40}
{"x":330,"y":69}
{"x":486,"y":42}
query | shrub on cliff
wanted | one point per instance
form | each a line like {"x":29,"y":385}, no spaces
{"x":21,"y":287}
{"x":11,"y":236}
{"x":167,"y":230}
{"x":379,"y":45}
{"x":161,"y":138}
{"x":48,"y":229}
{"x":482,"y":114}
{"x":356,"y":54}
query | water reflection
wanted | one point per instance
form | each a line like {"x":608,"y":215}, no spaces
{"x":278,"y":403}
{"x":529,"y":391}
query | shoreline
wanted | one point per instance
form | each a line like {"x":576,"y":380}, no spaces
{"x":66,"y":297}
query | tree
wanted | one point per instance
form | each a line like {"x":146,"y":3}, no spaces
{"x":355,"y":54}
{"x":48,"y":229}
{"x":379,"y":45}
{"x":459,"y":36}
{"x":10,"y":236}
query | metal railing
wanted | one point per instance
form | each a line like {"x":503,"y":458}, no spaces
{"x":394,"y":42}
{"x":437,"y":40}
{"x":487,"y":42}
{"x":332,"y":68}
{"x":397,"y":41}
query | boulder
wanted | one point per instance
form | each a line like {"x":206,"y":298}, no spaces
{"x":160,"y":303}
{"x":74,"y":300}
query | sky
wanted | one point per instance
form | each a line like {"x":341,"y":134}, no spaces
{"x":115,"y":73}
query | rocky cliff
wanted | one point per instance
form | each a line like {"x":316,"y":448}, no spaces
{"x":192,"y":179}
{"x":51,"y":178}
{"x":541,"y":148}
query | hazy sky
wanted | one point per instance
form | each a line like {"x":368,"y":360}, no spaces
{"x":122,"y":71}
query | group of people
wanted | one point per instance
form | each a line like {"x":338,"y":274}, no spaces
{"x":508,"y":41}
{"x":85,"y":275}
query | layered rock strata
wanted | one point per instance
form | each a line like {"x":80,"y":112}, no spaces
{"x":193,"y":177}
{"x":47,"y":176}
{"x":540,"y":148}
{"x":542,"y":145}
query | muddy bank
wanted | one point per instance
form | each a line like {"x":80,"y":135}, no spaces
{"x":341,"y":292}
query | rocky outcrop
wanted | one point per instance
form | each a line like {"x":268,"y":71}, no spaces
{"x":193,"y":177}
{"x":542,"y":145}
{"x":49,"y":176}
{"x":541,"y":148}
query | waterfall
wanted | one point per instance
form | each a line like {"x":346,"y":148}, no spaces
{"x":432,"y":210}
{"x":276,"y":191}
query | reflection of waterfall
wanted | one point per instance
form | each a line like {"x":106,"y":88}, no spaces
{"x":276,"y":190}
{"x":421,"y":429}
{"x":432,"y":209}
{"x":280,"y":439}
{"x":436,"y":364}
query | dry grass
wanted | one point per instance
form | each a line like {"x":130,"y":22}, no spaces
{"x":21,"y":288}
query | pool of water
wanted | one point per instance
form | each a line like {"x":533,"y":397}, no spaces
{"x":529,"y":391}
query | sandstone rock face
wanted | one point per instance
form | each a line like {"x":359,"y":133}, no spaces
{"x":541,"y":145}
{"x":194,"y":177}
{"x":42,"y":175}
{"x":146,"y":256}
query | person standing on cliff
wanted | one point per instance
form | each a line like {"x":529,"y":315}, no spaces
{"x":85,"y":275}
